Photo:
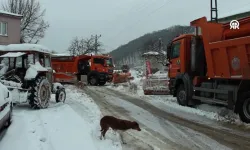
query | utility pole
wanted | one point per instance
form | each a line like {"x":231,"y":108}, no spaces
{"x":214,"y":9}
{"x":96,"y":42}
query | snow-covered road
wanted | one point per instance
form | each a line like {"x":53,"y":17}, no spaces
{"x":60,"y":127}
{"x":75,"y":125}
{"x":166,"y":129}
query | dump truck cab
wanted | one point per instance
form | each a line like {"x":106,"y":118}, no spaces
{"x":94,"y":69}
{"x":212,"y":66}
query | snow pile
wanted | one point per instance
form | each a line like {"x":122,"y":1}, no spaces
{"x":33,"y":70}
{"x":56,"y":86}
{"x":25,"y":47}
{"x":11,"y":83}
{"x":70,"y":126}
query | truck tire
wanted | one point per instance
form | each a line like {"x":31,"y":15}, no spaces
{"x":244,"y":108}
{"x":60,"y":95}
{"x":93,"y":80}
{"x":181,"y":95}
{"x":102,"y":83}
{"x":40,"y":93}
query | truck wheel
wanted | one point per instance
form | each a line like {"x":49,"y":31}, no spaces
{"x":182,"y":96}
{"x":244,"y":110}
{"x":93,"y":80}
{"x":60,"y":95}
{"x":102,"y":83}
{"x":40,"y":93}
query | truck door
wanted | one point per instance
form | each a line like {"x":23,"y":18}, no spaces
{"x":175,"y":66}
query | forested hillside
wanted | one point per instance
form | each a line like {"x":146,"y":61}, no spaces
{"x":130,"y":53}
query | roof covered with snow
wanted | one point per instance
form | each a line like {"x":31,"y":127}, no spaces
{"x":25,"y":47}
{"x":13,"y":54}
{"x":8,"y":13}
{"x":62,"y":54}
{"x":150,"y":53}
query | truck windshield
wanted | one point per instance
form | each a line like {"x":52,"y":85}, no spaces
{"x":109,"y":62}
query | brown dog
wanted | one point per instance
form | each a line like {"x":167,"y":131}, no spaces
{"x":116,"y":124}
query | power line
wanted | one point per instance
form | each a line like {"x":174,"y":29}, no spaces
{"x":155,"y":10}
{"x":144,"y":6}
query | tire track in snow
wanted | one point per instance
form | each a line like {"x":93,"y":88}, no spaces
{"x":102,"y":99}
{"x":224,"y":137}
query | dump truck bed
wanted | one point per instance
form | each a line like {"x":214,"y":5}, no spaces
{"x":227,"y":51}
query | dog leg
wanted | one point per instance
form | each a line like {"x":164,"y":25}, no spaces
{"x":121,"y":137}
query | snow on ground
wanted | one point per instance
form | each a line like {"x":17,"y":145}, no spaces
{"x":59,"y":127}
{"x":173,"y":132}
{"x":169,"y":104}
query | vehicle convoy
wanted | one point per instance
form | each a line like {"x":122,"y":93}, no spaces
{"x":5,"y":107}
{"x":26,"y":71}
{"x":94,"y":69}
{"x":212,"y":66}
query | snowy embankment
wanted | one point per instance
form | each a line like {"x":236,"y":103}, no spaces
{"x":169,"y":104}
{"x":59,"y":127}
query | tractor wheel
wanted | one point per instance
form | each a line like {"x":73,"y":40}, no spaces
{"x":182,"y":96}
{"x":93,"y":80}
{"x":60,"y":95}
{"x":102,"y":83}
{"x":40,"y":93}
{"x":244,"y":108}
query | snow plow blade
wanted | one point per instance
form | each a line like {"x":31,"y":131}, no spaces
{"x":122,"y":77}
{"x":156,"y":87}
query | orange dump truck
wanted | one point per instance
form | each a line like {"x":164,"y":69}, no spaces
{"x":212,"y":66}
{"x":94,"y":69}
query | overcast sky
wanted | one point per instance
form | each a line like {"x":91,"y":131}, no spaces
{"x":120,"y":21}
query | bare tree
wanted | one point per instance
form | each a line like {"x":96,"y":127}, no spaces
{"x":33,"y":25}
{"x":80,"y":46}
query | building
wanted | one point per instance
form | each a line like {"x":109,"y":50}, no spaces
{"x":9,"y":28}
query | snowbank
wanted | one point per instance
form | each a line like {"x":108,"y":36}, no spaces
{"x":169,"y":104}
{"x":70,"y":126}
{"x":25,"y":47}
